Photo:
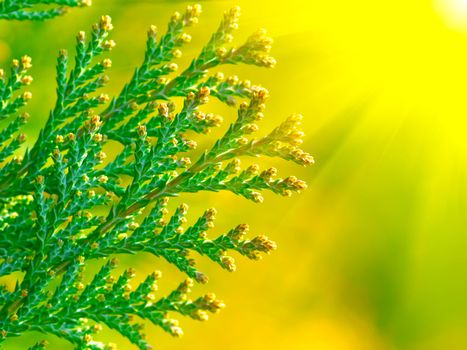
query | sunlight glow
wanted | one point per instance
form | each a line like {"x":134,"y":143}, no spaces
{"x":454,"y":13}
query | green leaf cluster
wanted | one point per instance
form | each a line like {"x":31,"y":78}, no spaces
{"x":37,"y":10}
{"x":64,"y":201}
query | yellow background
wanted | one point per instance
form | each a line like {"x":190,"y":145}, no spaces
{"x":373,"y":254}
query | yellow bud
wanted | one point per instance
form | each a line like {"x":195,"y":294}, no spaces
{"x":109,"y":45}
{"x":26,"y":62}
{"x":142,"y":130}
{"x":152,"y":31}
{"x":185,"y":38}
{"x":98,"y":137}
{"x":107,"y":63}
{"x":172,"y":67}
{"x":27,"y":95}
{"x":103,"y":98}
{"x":101,"y":156}
{"x":103,"y":179}
{"x":257,"y":197}
{"x":59,"y":139}
{"x":228,"y":263}
{"x":106,"y":23}
{"x":26,"y":80}
{"x":81,"y":36}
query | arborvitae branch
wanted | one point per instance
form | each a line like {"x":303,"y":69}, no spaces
{"x":49,"y":225}
{"x":30,"y":9}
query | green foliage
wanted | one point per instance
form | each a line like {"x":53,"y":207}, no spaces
{"x":37,"y":10}
{"x":51,"y":198}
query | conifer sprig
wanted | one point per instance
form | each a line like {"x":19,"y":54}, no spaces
{"x":50,"y":225}
{"x":34,"y":9}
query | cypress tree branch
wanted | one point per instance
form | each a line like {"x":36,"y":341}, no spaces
{"x":32,"y":10}
{"x":50,"y":225}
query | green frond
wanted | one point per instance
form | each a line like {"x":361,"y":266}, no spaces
{"x":31,"y":10}
{"x":50,"y":227}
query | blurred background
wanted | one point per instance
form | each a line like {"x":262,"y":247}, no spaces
{"x":373,"y":255}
